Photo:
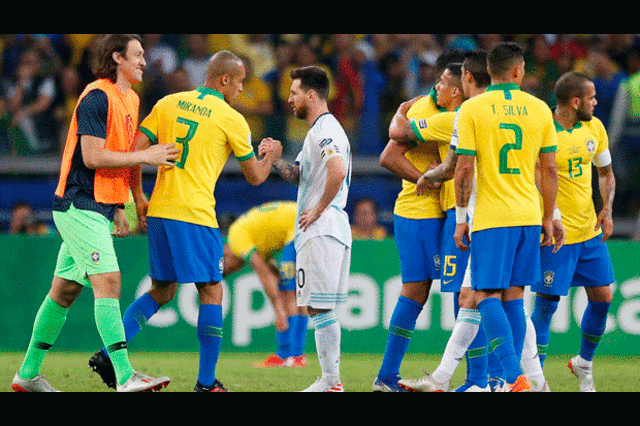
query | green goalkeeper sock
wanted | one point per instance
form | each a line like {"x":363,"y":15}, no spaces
{"x":46,"y":328}
{"x":111,"y":329}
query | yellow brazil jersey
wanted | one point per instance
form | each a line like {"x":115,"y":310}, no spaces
{"x":576,"y":149}
{"x":266,"y":229}
{"x":439,"y":128}
{"x":408,"y":204}
{"x":505,"y":129}
{"x":207,"y":130}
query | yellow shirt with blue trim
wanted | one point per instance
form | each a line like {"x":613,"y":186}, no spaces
{"x":506,"y":130}
{"x":577,"y":148}
{"x":206,"y":130}
{"x":408,"y":204}
{"x":265,"y":229}
{"x":439,"y":129}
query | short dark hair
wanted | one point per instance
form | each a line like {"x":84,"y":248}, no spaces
{"x":107,"y":67}
{"x":312,"y":77}
{"x":570,"y":85}
{"x":503,"y":57}
{"x":476,"y":63}
{"x":447,"y":57}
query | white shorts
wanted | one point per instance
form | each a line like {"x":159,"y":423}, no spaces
{"x":322,"y":273}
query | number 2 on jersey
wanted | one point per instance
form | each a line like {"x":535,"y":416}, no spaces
{"x":504,"y":151}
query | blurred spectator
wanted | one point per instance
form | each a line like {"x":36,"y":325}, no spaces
{"x":88,"y":59}
{"x":67,"y":99}
{"x":29,"y":99}
{"x":178,"y":81}
{"x":370,"y":131}
{"x":541,"y":70}
{"x":365,"y":221}
{"x":20,"y":211}
{"x":624,"y":138}
{"x":254,"y":102}
{"x":276,"y":123}
{"x":607,"y":77}
{"x":195,"y":64}
{"x":162,"y":61}
{"x":349,"y":96}
{"x":25,"y":221}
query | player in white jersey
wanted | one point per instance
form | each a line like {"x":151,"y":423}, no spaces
{"x":322,"y":171}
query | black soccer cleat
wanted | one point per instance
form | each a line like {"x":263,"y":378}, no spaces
{"x":101,"y":364}
{"x":216,"y":387}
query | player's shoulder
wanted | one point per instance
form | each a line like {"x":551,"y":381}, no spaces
{"x":327,"y":126}
{"x":595,"y":125}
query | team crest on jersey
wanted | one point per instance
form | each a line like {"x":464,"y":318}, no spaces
{"x":95,"y":257}
{"x":422,"y":123}
{"x":436,"y":261}
{"x":221,"y":265}
{"x":591,"y":146}
{"x":548,"y":278}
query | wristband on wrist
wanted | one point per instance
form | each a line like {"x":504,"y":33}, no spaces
{"x":556,"y":214}
{"x":461,"y":215}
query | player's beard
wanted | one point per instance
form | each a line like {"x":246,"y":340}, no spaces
{"x":583,"y":115}
{"x":301,"y":112}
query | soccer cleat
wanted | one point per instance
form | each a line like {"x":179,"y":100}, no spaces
{"x":296,"y":361}
{"x":101,"y":364}
{"x":584,"y":375}
{"x":522,"y":384}
{"x":470,"y":387}
{"x":37,"y":384}
{"x":424,"y":384}
{"x":216,"y":387}
{"x":139,"y":382}
{"x":381,"y":386}
{"x":321,"y":386}
{"x":496,"y":383}
{"x":271,"y":361}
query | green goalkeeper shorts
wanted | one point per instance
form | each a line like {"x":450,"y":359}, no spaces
{"x":87,"y":247}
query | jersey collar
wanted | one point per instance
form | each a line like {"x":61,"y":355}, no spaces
{"x":209,"y":91}
{"x":503,"y":86}
{"x":559,"y":127}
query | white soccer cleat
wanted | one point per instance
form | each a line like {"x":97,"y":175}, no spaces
{"x":321,"y":386}
{"x":37,"y":384}
{"x":584,"y":375}
{"x":470,"y":387}
{"x":139,"y":382}
{"x":425,"y":383}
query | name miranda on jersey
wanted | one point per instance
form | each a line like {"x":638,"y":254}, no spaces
{"x":510,"y":110}
{"x":195,"y":108}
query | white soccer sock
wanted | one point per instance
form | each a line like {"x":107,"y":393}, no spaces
{"x":327,"y":336}
{"x":530,"y":359}
{"x":464,"y":331}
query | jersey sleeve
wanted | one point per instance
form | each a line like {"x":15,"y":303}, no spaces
{"x":92,"y":114}
{"x":466,"y":133}
{"x":436,"y":128}
{"x":149,"y":125}
{"x":239,"y":137}
{"x":550,"y":141}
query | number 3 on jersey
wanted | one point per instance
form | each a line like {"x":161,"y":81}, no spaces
{"x":193,"y":126}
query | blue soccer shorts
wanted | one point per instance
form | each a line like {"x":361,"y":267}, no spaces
{"x":184,"y":252}
{"x":453,"y":261}
{"x":585,"y":264}
{"x":504,"y":257}
{"x":418,"y":242}
{"x":287,"y":267}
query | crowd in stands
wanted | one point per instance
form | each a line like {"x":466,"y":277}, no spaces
{"x":41,"y":76}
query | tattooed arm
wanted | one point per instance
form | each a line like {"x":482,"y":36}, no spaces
{"x":463,"y":183}
{"x":289,"y":172}
{"x":607,"y":185}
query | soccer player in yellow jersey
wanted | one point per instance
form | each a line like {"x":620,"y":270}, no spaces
{"x":584,"y":260}
{"x":254,"y":238}
{"x":502,"y":133}
{"x":185,"y":244}
{"x":418,"y":223}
